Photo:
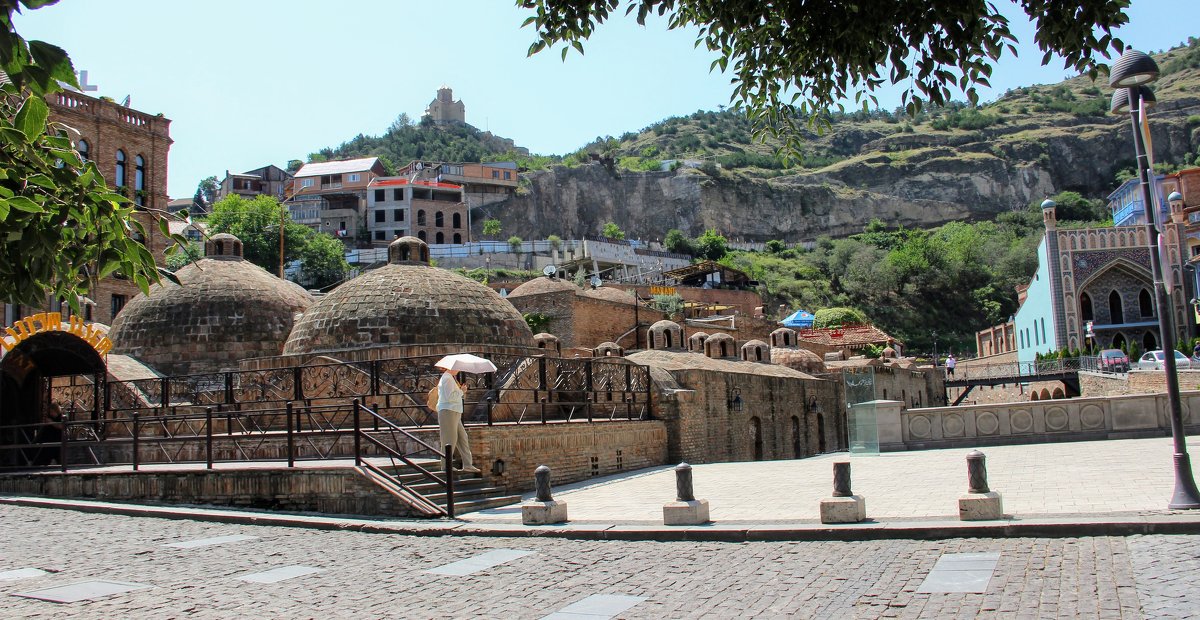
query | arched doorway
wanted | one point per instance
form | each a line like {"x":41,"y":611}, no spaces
{"x":1116,"y":312}
{"x":1149,"y":342}
{"x":48,"y":366}
{"x":797,"y":447}
{"x":756,"y":437}
{"x":1118,"y":342}
{"x":821,"y":433}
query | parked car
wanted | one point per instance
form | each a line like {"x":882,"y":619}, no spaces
{"x":1153,"y":360}
{"x":1113,"y":360}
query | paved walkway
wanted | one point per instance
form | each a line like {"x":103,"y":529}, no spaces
{"x":1080,"y":478}
{"x":194,"y":569}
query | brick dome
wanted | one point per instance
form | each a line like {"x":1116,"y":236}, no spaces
{"x":224,"y":310}
{"x":799,"y":359}
{"x":610,"y":294}
{"x":408,"y":302}
{"x":539,"y":286}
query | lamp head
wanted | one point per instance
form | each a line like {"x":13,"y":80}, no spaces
{"x":1120,"y":99}
{"x":1133,"y":68}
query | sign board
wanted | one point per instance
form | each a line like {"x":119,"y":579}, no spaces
{"x":662,"y":290}
{"x":45,"y":322}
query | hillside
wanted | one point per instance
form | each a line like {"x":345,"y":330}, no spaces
{"x":406,"y":141}
{"x":954,"y":163}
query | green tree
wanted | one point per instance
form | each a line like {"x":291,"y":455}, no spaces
{"x":294,"y":164}
{"x":612,"y":232}
{"x":555,"y":242}
{"x":514,"y":243}
{"x":776,"y":246}
{"x":323,"y":260}
{"x":491,"y":228}
{"x":711,"y":245}
{"x":256,"y":223}
{"x":820,"y":54}
{"x":837,"y":317}
{"x":186,"y":255}
{"x":677,"y":242}
{"x":61,"y":227}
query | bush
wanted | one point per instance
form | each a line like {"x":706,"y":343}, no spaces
{"x":837,"y":317}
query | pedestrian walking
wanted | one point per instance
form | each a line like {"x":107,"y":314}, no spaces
{"x":950,"y":363}
{"x":449,"y":412}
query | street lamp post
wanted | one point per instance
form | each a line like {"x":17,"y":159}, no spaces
{"x":1128,"y":76}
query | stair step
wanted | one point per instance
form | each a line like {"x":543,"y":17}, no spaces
{"x":483,"y":504}
{"x":485,"y":492}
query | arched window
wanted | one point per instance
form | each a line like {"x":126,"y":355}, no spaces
{"x":797,"y":449}
{"x":120,"y":168}
{"x":1144,"y":304}
{"x":1115,"y":312}
{"x":440,"y":237}
{"x":457,"y":219}
{"x":139,"y":179}
{"x":457,"y":238}
{"x":421,"y":218}
{"x":84,"y":148}
{"x":723,"y":350}
{"x":439,"y":220}
{"x":1118,"y":341}
{"x":421,"y":235}
{"x":1149,"y":342}
{"x":1085,"y":306}
{"x":667,"y":337}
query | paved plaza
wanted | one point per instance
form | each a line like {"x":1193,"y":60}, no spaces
{"x":191,"y":569}
{"x":1080,"y":478}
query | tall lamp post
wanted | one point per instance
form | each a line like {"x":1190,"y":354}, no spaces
{"x":1129,"y":75}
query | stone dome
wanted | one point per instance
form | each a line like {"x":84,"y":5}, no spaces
{"x":756,"y":351}
{"x":539,"y":286}
{"x":408,"y":301}
{"x":224,"y":310}
{"x":720,"y":345}
{"x":802,"y":360}
{"x":609,"y":294}
{"x":666,"y":334}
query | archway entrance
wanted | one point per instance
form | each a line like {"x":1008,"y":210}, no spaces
{"x":47,"y":366}
{"x":756,"y":437}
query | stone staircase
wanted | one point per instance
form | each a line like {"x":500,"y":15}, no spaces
{"x":471,"y":491}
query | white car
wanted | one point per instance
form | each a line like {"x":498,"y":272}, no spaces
{"x":1153,"y":360}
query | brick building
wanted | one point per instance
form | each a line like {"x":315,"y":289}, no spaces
{"x":129,"y":149}
{"x":482,"y":183}
{"x":433,"y":212}
{"x":331,"y":196}
{"x":269,"y":180}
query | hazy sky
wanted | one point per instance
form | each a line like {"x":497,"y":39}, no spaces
{"x":250,"y":83}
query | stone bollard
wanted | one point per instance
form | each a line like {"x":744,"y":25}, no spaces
{"x":543,"y":509}
{"x":979,"y":503}
{"x":686,"y":509}
{"x":844,"y":506}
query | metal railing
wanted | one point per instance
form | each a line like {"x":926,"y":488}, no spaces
{"x":1016,"y":370}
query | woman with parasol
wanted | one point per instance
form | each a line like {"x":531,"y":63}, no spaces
{"x":450,"y":403}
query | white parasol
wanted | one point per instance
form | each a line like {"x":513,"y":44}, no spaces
{"x":465,"y":362}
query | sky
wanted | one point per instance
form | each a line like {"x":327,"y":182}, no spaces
{"x":251,"y":83}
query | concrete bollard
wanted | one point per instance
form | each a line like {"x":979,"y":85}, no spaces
{"x":979,"y":503}
{"x":844,"y":506}
{"x":686,"y":509}
{"x":543,"y":509}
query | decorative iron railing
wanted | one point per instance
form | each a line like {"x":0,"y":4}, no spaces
{"x":1016,"y":370}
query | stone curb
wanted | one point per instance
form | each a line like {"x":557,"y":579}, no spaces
{"x":1042,"y":527}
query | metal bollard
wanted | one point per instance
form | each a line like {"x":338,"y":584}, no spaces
{"x":977,"y":472}
{"x":541,"y":483}
{"x":841,"y":480}
{"x":683,"y":483}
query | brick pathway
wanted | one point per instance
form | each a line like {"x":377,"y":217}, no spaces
{"x":1079,"y":478}
{"x":375,"y":575}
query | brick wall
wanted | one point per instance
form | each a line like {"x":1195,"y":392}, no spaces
{"x":1135,"y":382}
{"x":598,"y":320}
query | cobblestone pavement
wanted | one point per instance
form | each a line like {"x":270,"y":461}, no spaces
{"x":1079,"y":478}
{"x":376,"y":575}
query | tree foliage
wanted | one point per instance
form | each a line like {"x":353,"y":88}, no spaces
{"x":491,"y":227}
{"x":711,"y":245}
{"x":61,"y":227}
{"x":838,"y":317}
{"x":256,"y":222}
{"x":791,"y":61}
{"x":612,"y":232}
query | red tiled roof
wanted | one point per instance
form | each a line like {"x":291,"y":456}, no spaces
{"x":853,"y":336}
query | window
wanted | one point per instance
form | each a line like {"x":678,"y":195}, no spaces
{"x":342,"y":226}
{"x":1085,"y":306}
{"x":83,"y":149}
{"x":495,"y":174}
{"x":457,"y":238}
{"x":440,"y":238}
{"x":139,"y":179}
{"x":352,"y":178}
{"x":307,"y":182}
{"x":397,"y":215}
{"x":507,"y":175}
{"x":1044,"y":340}
{"x":118,"y":302}
{"x":379,"y":235}
{"x":421,"y":235}
{"x":380,"y":195}
{"x":457,"y":220}
{"x":1144,"y":304}
{"x":380,"y":216}
{"x":120,"y":168}
{"x":1115,"y":311}
{"x":397,"y":194}
{"x":439,"y":220}
{"x":421,"y":217}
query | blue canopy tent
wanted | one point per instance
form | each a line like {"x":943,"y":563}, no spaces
{"x":799,"y":319}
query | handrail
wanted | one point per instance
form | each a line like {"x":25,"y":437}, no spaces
{"x":446,"y":483}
